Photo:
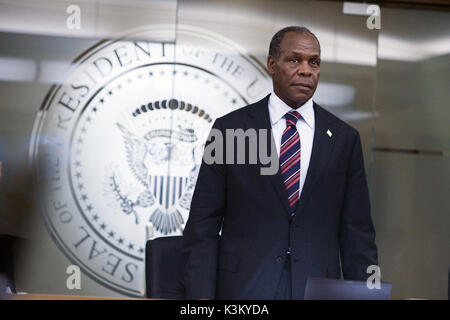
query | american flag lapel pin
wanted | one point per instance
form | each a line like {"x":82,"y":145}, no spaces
{"x":329,"y":133}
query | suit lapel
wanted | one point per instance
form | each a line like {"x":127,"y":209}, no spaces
{"x":261,"y":120}
{"x":321,"y":151}
{"x":322,"y":147}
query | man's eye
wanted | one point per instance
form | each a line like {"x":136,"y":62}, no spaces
{"x":294,"y":60}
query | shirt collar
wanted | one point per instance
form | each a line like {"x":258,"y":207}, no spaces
{"x":278,"y":108}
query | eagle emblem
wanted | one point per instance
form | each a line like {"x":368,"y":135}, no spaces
{"x":147,"y":158}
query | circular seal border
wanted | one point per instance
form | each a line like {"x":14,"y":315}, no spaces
{"x":54,"y":89}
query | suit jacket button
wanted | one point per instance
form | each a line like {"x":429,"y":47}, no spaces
{"x":279,"y":259}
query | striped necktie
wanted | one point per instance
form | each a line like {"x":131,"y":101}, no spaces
{"x":290,"y":159}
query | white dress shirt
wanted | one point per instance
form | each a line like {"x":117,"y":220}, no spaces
{"x":305,"y":128}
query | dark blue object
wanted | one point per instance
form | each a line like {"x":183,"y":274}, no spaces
{"x":334,"y":289}
{"x":164,"y":268}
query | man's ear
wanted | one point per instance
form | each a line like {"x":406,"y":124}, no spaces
{"x":271,"y":64}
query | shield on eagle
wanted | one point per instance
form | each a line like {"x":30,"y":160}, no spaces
{"x":166,"y":163}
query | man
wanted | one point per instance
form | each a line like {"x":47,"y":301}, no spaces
{"x":306,"y":220}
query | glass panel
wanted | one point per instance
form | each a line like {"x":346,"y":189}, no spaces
{"x":348,"y":73}
{"x":411,"y":154}
{"x":230,"y":40}
{"x":78,"y":84}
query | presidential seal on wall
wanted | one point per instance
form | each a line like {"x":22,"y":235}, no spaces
{"x":118,"y":145}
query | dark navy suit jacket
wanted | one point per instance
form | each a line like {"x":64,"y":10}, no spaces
{"x":332,"y":226}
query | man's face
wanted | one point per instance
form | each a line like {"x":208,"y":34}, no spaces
{"x":295,"y":73}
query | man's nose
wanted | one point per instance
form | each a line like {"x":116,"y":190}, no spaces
{"x":304,"y":69}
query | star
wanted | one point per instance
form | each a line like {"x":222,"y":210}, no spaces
{"x":103,"y":226}
{"x":77,"y":163}
{"x":102,"y":100}
{"x":88,"y":119}
{"x":83,"y":129}
{"x":110,"y":92}
{"x":83,"y":197}
{"x":95,"y":217}
{"x":174,"y":72}
{"x":141,"y":250}
{"x":131,"y":246}
{"x":80,"y":186}
{"x":233,"y":101}
{"x":185,"y":73}
{"x":78,"y":175}
{"x":150,"y":74}
{"x":120,"y":240}
{"x":140,"y":76}
{"x":111,"y":234}
{"x":162,"y":72}
{"x":89,"y":208}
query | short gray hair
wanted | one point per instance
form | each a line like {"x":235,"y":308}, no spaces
{"x":274,"y":48}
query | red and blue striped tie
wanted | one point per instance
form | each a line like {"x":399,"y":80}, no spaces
{"x":290,"y":159}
